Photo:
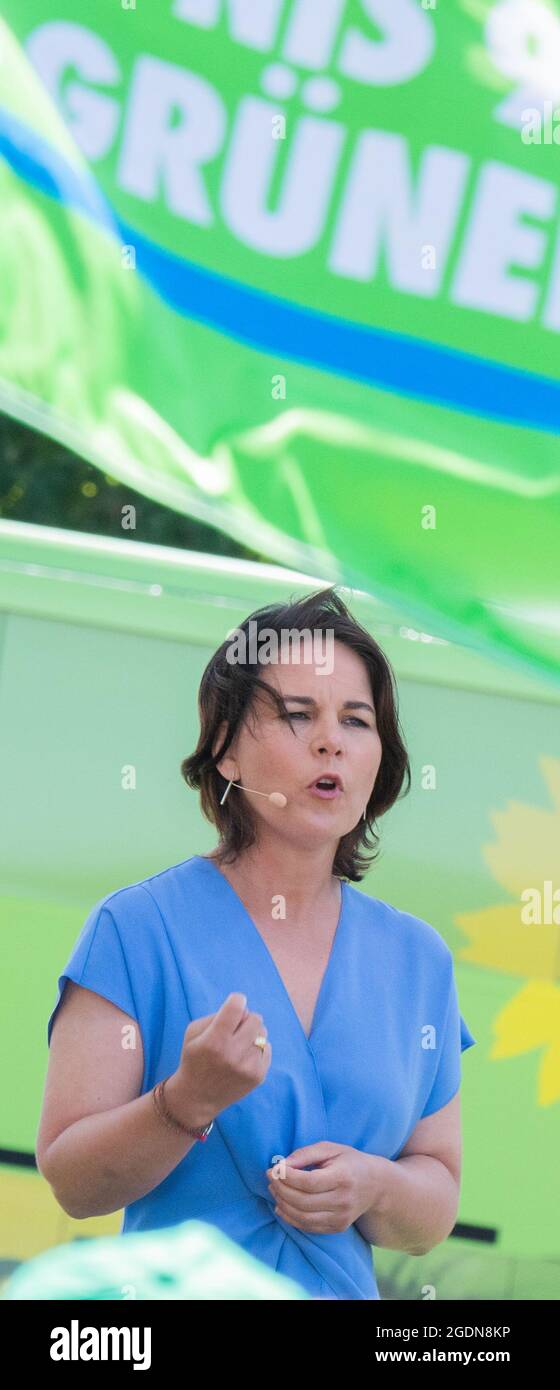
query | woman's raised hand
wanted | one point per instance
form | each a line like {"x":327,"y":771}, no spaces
{"x":219,"y":1062}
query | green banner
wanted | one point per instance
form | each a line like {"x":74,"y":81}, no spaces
{"x":294,"y":267}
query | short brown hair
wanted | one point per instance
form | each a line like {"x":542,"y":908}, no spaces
{"x":226,"y":696}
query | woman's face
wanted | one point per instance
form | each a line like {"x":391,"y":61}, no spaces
{"x":320,"y":735}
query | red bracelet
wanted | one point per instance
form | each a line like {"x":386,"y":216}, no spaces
{"x":170,"y":1120}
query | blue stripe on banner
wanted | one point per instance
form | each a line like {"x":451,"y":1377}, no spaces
{"x":392,"y":361}
{"x":42,"y":166}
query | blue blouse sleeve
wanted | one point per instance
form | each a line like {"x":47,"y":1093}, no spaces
{"x":456,"y":1038}
{"x":98,"y":963}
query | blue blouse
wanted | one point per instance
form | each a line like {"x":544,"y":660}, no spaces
{"x":170,"y":948}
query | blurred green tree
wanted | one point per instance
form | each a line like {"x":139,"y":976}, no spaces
{"x":43,"y":482}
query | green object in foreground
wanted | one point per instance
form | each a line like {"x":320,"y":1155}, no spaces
{"x":292,"y":268}
{"x":189,"y":1261}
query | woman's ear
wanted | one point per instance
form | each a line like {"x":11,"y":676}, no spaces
{"x":227,"y":765}
{"x":228,"y":769}
{"x":218,"y":738}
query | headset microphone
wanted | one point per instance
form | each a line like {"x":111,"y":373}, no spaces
{"x":276,"y":798}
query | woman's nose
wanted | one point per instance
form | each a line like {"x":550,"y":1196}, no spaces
{"x":328,"y":740}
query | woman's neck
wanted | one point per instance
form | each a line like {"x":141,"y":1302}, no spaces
{"x":304,"y":880}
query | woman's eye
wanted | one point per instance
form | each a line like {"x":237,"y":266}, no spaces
{"x":301,"y":714}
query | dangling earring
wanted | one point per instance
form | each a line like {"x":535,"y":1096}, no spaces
{"x":364,"y":817}
{"x":230,"y":784}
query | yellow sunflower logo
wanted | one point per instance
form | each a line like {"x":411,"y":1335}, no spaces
{"x":521,"y":936}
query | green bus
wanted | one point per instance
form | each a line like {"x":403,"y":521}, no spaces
{"x":103,"y":641}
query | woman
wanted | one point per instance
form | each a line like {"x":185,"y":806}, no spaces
{"x":246,"y":1038}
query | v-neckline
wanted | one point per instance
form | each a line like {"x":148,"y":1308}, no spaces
{"x":332,"y":953}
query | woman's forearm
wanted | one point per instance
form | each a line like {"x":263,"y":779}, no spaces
{"x":103,"y":1162}
{"x":416,"y":1204}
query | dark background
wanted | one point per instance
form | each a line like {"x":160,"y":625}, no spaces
{"x":45,"y":483}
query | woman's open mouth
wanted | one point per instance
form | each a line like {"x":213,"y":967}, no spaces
{"x":328,"y":788}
